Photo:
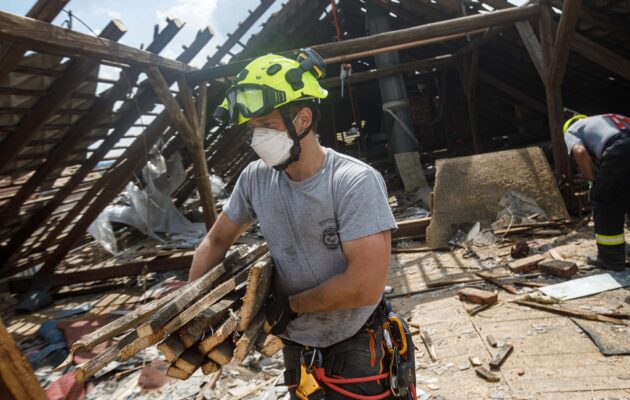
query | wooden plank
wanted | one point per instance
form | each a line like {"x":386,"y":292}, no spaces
{"x":218,"y":336}
{"x":412,"y":227}
{"x":195,"y":329}
{"x":195,"y":291}
{"x":16,"y":373}
{"x":189,"y":361}
{"x":59,"y":91}
{"x":208,"y":367}
{"x":525,"y":264}
{"x":38,"y":35}
{"x":487,"y":375}
{"x":88,"y":369}
{"x":189,"y":135}
{"x":202,"y":303}
{"x":478,"y":296}
{"x":188,"y":104}
{"x":222,"y":354}
{"x":489,"y":278}
{"x":428,"y":343}
{"x":562,"y":43}
{"x":43,"y":10}
{"x":177,"y":373}
{"x":571,"y":313}
{"x":171,"y":348}
{"x":246,"y":342}
{"x":257,"y":292}
{"x":501,"y":356}
{"x":138,"y":345}
{"x":562,"y":268}
{"x":235,"y":36}
{"x":270,"y":346}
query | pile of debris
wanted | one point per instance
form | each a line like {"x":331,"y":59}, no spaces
{"x":204,"y":324}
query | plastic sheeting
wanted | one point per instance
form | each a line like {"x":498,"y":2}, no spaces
{"x":150,"y":210}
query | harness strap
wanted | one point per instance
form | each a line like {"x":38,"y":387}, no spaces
{"x":332,"y":383}
{"x":619,"y":121}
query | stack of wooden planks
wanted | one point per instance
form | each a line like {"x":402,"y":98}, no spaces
{"x":205,"y":324}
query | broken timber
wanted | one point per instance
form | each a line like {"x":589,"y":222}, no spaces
{"x":571,"y":313}
{"x":258,"y":284}
{"x":501,"y":356}
{"x":246,"y":342}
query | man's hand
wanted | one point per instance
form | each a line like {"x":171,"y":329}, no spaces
{"x":278,"y":314}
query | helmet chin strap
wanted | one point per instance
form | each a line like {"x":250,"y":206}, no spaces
{"x":296,"y":149}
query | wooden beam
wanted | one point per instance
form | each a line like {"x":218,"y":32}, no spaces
{"x":371,"y":75}
{"x":191,"y":139}
{"x":42,"y":36}
{"x":235,"y":36}
{"x":46,"y":106}
{"x":432,"y":31}
{"x":75,"y":135}
{"x":513,"y":92}
{"x":562,"y":45}
{"x":43,"y":10}
{"x":601,"y":55}
{"x":204,"y":322}
{"x":218,"y":336}
{"x":246,"y":342}
{"x":144,"y":100}
{"x":532,"y":46}
{"x":17,"y":380}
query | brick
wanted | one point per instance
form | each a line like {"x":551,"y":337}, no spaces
{"x":526,"y":264}
{"x":478,"y":296}
{"x":563,"y":268}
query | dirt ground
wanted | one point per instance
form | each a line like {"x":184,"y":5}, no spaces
{"x":553,"y":358}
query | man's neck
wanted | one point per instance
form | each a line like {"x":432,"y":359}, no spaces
{"x":310,"y":162}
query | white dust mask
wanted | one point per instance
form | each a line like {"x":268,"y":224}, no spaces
{"x":271,"y":145}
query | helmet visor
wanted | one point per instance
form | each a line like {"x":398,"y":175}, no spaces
{"x":251,"y":100}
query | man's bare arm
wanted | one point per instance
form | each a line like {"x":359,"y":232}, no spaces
{"x":360,"y":285}
{"x":213,"y":247}
{"x":584,"y":161}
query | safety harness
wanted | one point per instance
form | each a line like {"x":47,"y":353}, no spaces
{"x":401,"y":374}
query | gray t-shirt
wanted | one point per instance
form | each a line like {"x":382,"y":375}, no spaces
{"x":593,"y":133}
{"x":304,"y":222}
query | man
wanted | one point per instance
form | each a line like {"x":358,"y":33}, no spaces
{"x":601,"y":148}
{"x":325,"y":217}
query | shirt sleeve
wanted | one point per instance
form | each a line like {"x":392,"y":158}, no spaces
{"x":363,"y":207}
{"x":239,"y":208}
{"x":571,"y":139}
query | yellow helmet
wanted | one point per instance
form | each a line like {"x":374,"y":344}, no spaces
{"x":269,"y":82}
{"x":571,"y":120}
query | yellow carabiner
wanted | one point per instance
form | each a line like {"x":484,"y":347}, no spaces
{"x":401,"y":332}
{"x":308,"y":387}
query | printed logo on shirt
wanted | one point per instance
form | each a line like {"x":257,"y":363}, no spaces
{"x":330,"y":236}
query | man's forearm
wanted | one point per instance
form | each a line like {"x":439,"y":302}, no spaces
{"x":207,"y":255}
{"x":337,"y":293}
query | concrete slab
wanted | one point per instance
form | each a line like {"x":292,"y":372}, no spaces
{"x":468,"y":189}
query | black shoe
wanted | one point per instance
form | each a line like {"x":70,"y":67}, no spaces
{"x":603,"y":264}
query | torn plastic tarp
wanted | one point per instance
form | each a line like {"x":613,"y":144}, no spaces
{"x":150,"y":210}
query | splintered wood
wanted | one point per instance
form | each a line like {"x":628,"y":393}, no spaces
{"x":203,"y":325}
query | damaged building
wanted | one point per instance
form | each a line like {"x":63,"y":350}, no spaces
{"x":108,"y":185}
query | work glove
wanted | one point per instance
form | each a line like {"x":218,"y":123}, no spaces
{"x":278,"y":314}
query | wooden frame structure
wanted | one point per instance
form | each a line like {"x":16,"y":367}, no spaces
{"x":58,"y":167}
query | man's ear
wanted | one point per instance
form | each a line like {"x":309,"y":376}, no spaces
{"x":304,"y":119}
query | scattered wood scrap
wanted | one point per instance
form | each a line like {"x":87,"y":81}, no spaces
{"x":478,"y":296}
{"x":571,"y":313}
{"x":428,"y":342}
{"x":561,"y":268}
{"x":487,"y":375}
{"x":525,"y":264}
{"x":501,"y":356}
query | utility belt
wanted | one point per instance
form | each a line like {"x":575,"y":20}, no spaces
{"x":399,"y":375}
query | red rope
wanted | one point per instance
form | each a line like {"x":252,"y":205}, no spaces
{"x":320,"y":374}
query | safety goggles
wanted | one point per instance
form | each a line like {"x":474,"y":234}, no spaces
{"x":251,"y":100}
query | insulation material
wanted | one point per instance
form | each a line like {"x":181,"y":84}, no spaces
{"x":469,"y":189}
{"x":150,"y":209}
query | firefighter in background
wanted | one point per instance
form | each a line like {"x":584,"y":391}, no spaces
{"x":600,"y":146}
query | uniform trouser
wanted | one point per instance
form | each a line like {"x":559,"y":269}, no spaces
{"x":610,"y":198}
{"x":359,"y":356}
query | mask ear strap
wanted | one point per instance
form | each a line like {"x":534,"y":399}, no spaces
{"x":296,"y":149}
